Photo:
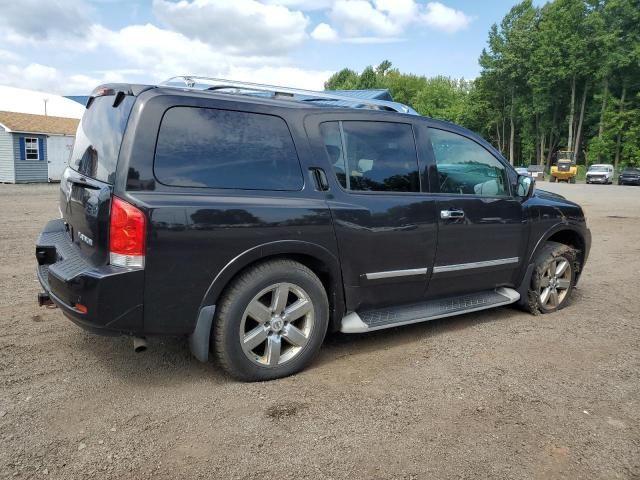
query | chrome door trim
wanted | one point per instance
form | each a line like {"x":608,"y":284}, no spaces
{"x":468,"y":266}
{"x":395,"y":273}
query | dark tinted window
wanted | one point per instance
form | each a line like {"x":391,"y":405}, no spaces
{"x":98,"y":139}
{"x":202,"y":147}
{"x":380,"y":156}
{"x":465,"y":167}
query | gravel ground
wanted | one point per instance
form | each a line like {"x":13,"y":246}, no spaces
{"x":495,"y":394}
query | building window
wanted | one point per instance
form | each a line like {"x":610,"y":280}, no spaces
{"x":31,"y":150}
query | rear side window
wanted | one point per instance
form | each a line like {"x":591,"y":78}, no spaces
{"x":372,"y":156}
{"x":203,"y":147}
{"x":98,"y":138}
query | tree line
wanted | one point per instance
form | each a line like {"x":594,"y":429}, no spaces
{"x":564,"y":76}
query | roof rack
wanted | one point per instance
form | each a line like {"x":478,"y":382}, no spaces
{"x":247,"y":88}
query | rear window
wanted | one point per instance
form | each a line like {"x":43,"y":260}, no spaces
{"x":203,"y":147}
{"x":98,"y":139}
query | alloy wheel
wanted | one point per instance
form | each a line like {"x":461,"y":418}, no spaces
{"x":555,"y":283}
{"x":277,"y":324}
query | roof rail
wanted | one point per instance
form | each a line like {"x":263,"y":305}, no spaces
{"x":205,"y":83}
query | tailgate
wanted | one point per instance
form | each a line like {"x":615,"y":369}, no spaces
{"x":85,"y":204}
{"x":87,"y":185}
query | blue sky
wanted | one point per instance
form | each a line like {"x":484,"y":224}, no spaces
{"x":70,"y":46}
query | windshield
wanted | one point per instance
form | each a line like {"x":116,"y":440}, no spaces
{"x":97,"y":145}
{"x":631,"y":170}
{"x":599,"y":168}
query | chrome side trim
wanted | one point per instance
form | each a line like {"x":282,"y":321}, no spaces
{"x":395,"y":273}
{"x":468,"y":266}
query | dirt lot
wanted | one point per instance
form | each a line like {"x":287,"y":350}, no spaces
{"x":497,"y":394}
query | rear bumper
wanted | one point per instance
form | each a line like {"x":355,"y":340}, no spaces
{"x":112,"y":295}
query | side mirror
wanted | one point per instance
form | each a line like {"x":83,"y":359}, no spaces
{"x":526,"y":186}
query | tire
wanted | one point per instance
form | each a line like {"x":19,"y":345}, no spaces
{"x":573,"y":180}
{"x":552,"y":179}
{"x":541,"y":296}
{"x":250,"y":341}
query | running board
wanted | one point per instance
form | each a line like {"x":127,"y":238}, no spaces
{"x":389,"y":317}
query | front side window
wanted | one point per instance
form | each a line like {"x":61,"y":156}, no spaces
{"x":31,"y":150}
{"x":204,"y":147}
{"x":465,"y":167}
{"x":372,"y":156}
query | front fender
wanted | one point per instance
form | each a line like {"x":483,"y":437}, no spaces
{"x":581,"y":231}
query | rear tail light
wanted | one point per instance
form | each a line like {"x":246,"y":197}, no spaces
{"x":127,"y":234}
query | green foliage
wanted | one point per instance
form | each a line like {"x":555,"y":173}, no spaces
{"x":438,"y":97}
{"x":539,"y":64}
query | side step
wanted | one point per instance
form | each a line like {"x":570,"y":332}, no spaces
{"x":370,"y":320}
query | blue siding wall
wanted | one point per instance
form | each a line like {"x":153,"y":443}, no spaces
{"x":6,"y":157}
{"x":30,"y":170}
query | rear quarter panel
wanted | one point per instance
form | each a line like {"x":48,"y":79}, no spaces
{"x":194,"y":233}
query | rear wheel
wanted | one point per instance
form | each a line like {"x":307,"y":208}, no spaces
{"x":552,"y":179}
{"x":573,"y":180}
{"x":553,"y":278}
{"x":271,"y":321}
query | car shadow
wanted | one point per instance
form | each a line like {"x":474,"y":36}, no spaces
{"x":338,"y":344}
{"x":168,"y":359}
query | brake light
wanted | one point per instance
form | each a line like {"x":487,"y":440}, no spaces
{"x":127,"y":234}
{"x":103,"y":92}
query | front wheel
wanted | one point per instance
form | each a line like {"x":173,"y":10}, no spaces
{"x":271,"y":321}
{"x":553,"y":278}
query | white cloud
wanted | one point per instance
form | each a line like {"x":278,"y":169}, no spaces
{"x":7,"y":56}
{"x":372,"y":40}
{"x":362,"y":21}
{"x":324,"y":33}
{"x":401,"y":12}
{"x":240,"y":39}
{"x":282,"y":76}
{"x":45,"y":78}
{"x":304,"y":5}
{"x":238,"y":26}
{"x":35,"y":21}
{"x":357,"y":17}
{"x":163,"y":53}
{"x":447,"y":19}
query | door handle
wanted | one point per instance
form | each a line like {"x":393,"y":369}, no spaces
{"x":320,"y":179}
{"x":447,"y":214}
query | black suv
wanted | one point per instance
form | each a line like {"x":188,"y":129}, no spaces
{"x":254,"y":219}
